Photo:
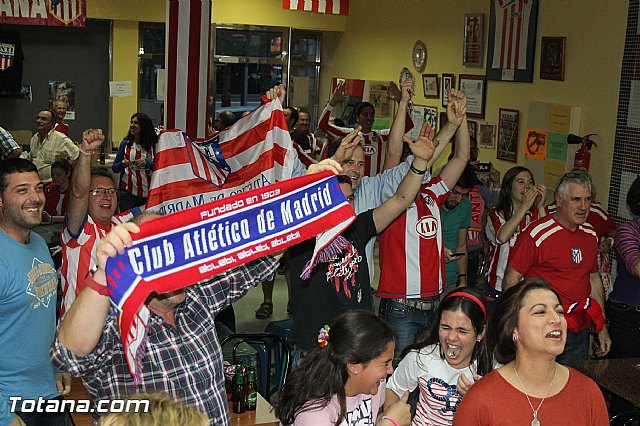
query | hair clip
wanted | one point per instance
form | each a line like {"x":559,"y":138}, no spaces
{"x":323,"y":336}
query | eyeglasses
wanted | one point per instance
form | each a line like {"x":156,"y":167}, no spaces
{"x":100,"y":191}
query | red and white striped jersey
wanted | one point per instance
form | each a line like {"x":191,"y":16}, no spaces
{"x":511,"y":34}
{"x":78,"y":255}
{"x":373,"y":143}
{"x":135,"y":180}
{"x":335,"y":7}
{"x":475,"y":240}
{"x":499,"y":252}
{"x":411,"y":248}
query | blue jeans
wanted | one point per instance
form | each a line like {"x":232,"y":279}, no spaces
{"x":408,"y":323}
{"x":575,"y":349}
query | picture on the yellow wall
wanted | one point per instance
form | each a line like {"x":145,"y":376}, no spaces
{"x":431,"y":86}
{"x":535,"y":144}
{"x":486,"y":135}
{"x":509,"y":120}
{"x":473,"y":39}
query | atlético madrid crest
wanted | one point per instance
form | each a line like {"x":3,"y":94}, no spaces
{"x":7,"y":54}
{"x":66,"y":11}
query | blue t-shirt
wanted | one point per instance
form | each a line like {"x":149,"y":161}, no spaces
{"x":28,"y":287}
{"x":453,"y":221}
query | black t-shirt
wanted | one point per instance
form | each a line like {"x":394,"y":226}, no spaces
{"x":302,"y":140}
{"x":333,"y":287}
{"x":11,"y":58}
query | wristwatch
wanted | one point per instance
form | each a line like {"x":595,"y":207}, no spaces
{"x":94,"y":285}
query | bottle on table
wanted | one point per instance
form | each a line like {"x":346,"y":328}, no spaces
{"x":252,"y":392}
{"x":239,"y":392}
{"x":102,"y":156}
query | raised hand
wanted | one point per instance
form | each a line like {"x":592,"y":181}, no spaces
{"x":338,"y":94}
{"x":457,"y":107}
{"x":348,"y":145}
{"x":541,"y":190}
{"x":326,"y":164}
{"x":529,"y":197}
{"x":279,"y":91}
{"x":92,"y":139}
{"x":425,"y":145}
{"x":115,"y":241}
{"x":407,"y":90}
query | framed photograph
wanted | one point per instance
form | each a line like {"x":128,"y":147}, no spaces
{"x":486,"y":135}
{"x":473,"y":38}
{"x":431,"y":116}
{"x":431,"y":86}
{"x":508,"y":135}
{"x":552,"y":58}
{"x":475,"y":87}
{"x":448,"y":81}
{"x":512,"y":40}
{"x":443,"y":120}
{"x":473,"y":129}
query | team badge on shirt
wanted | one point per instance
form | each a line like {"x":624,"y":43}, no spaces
{"x":576,"y":255}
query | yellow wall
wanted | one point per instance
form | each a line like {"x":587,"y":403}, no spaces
{"x":124,"y":68}
{"x":380,"y":34}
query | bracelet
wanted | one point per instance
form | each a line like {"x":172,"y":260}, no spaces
{"x":94,"y":285}
{"x":87,"y":153}
{"x":391,"y":419}
{"x":416,"y":170}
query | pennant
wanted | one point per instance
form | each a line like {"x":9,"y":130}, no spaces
{"x":254,"y":153}
{"x":333,"y":7}
{"x":172,"y":252}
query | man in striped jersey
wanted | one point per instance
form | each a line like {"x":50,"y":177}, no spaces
{"x":90,"y":215}
{"x":563,"y":249}
{"x":412,"y":252}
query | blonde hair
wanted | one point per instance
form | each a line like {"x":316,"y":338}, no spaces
{"x":163,"y":410}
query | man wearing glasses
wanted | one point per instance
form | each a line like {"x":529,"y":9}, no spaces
{"x":90,"y":216}
{"x":562,"y":248}
{"x":48,"y":145}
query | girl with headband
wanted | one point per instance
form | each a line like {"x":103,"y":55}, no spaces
{"x":342,"y":381}
{"x":446,"y":360}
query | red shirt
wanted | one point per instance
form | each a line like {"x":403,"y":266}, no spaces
{"x":56,"y":201}
{"x":564,"y":258}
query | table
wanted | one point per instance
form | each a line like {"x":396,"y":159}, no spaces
{"x":50,"y":232}
{"x":79,"y":392}
{"x":619,"y":376}
{"x":262,"y":416}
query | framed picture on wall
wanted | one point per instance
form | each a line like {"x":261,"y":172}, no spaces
{"x":431,"y":86}
{"x":431,"y":116}
{"x":448,"y":81}
{"x":473,"y":39}
{"x":512,"y":40}
{"x":552,"y":58}
{"x":473,"y":128}
{"x":486,"y":135}
{"x":509,"y":121}
{"x":475,"y":87}
{"x":443,"y":120}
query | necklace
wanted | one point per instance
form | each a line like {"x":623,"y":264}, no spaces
{"x":535,"y":421}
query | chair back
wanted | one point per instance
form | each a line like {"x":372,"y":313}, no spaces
{"x":274,"y":359}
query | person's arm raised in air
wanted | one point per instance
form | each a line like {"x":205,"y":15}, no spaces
{"x":82,"y":325}
{"x":81,"y":180}
{"x":452,"y":171}
{"x":456,"y":113}
{"x":394,"y":147}
{"x":423,"y":149}
{"x":323,"y":122}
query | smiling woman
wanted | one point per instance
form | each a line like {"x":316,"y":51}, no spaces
{"x":528,"y":332}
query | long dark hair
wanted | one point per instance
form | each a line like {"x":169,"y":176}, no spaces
{"x":475,"y":312}
{"x":504,"y":201}
{"x":356,"y":337}
{"x":148,"y":137}
{"x":505,"y":318}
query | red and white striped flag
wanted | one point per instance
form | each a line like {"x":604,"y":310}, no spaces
{"x":334,"y":7}
{"x":254,"y":152}
{"x":187,"y":65}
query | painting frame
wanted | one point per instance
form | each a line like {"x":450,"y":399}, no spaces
{"x":431,"y":86}
{"x":475,"y":87}
{"x":552,"y":58}
{"x":472,"y":126}
{"x":473,"y":39}
{"x":487,"y":135}
{"x":448,"y":81}
{"x":502,"y":21}
{"x":508,"y":128}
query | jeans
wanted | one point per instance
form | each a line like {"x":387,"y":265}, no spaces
{"x":575,"y":349}
{"x":408,"y":323}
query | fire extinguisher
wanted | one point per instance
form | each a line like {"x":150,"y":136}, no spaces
{"x":583,"y":156}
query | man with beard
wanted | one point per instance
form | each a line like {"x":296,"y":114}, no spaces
{"x":90,"y":215}
{"x":28,"y":287}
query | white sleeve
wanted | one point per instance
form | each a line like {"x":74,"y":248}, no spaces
{"x":405,"y":376}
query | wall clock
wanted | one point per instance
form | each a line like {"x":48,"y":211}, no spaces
{"x":419,"y":56}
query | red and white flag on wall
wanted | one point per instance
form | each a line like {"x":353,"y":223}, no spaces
{"x":334,"y":7}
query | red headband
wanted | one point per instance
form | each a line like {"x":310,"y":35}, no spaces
{"x":470,"y":297}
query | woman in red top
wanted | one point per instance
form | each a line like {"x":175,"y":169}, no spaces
{"x":57,"y":192}
{"x":527,"y":333}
